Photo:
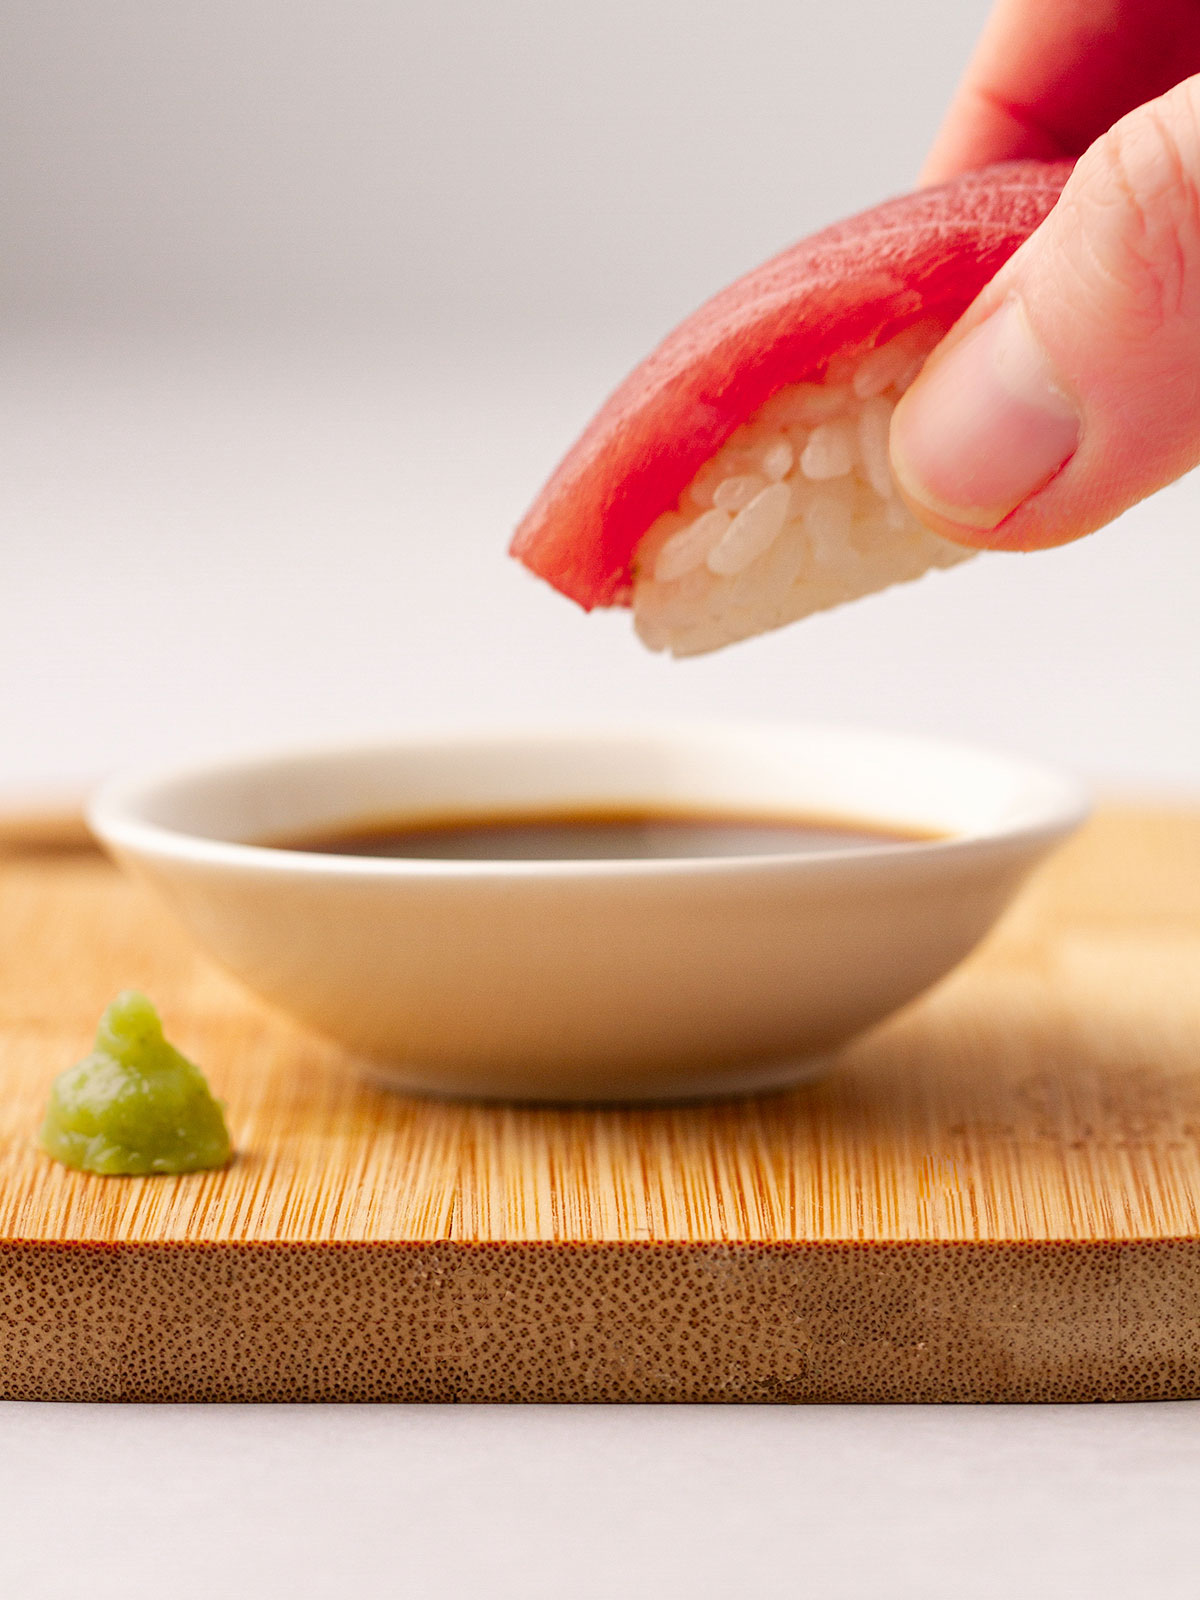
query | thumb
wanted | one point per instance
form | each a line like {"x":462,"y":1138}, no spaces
{"x":1071,"y":388}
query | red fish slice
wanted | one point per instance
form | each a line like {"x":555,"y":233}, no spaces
{"x":924,"y":256}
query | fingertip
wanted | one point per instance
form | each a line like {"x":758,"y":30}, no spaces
{"x":982,"y":429}
{"x":945,"y":527}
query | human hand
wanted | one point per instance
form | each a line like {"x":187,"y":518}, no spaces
{"x":1071,"y":388}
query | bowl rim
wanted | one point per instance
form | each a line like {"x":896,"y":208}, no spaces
{"x":114,"y":813}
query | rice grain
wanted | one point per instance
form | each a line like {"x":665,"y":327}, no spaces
{"x":829,"y":452}
{"x":751,"y":532}
{"x":735,"y":494}
{"x":685,"y":551}
{"x":777,"y":459}
{"x":874,"y":424}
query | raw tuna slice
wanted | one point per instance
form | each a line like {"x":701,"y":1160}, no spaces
{"x":739,"y":477}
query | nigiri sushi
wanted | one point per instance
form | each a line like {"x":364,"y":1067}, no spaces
{"x":739,"y":479}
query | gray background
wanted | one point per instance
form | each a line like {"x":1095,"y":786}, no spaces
{"x":433,"y":168}
{"x":300,"y":301}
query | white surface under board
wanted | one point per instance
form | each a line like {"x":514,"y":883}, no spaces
{"x":600,"y":1503}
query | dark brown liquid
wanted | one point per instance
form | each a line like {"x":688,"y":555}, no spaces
{"x":603,"y":836}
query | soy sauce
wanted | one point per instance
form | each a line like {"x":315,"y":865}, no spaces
{"x":635,"y":835}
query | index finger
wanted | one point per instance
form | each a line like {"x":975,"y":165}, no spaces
{"x":1050,"y":76}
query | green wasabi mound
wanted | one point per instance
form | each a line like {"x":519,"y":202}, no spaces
{"x":134,"y":1105}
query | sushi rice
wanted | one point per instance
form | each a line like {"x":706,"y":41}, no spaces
{"x":797,"y":512}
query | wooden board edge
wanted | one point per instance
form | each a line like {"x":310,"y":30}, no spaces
{"x":628,"y":1322}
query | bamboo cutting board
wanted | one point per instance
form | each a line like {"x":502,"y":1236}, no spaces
{"x":996,"y":1197}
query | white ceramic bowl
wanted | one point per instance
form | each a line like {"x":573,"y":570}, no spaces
{"x":592,"y":980}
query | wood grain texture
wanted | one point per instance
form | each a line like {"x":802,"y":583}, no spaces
{"x":996,"y":1196}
